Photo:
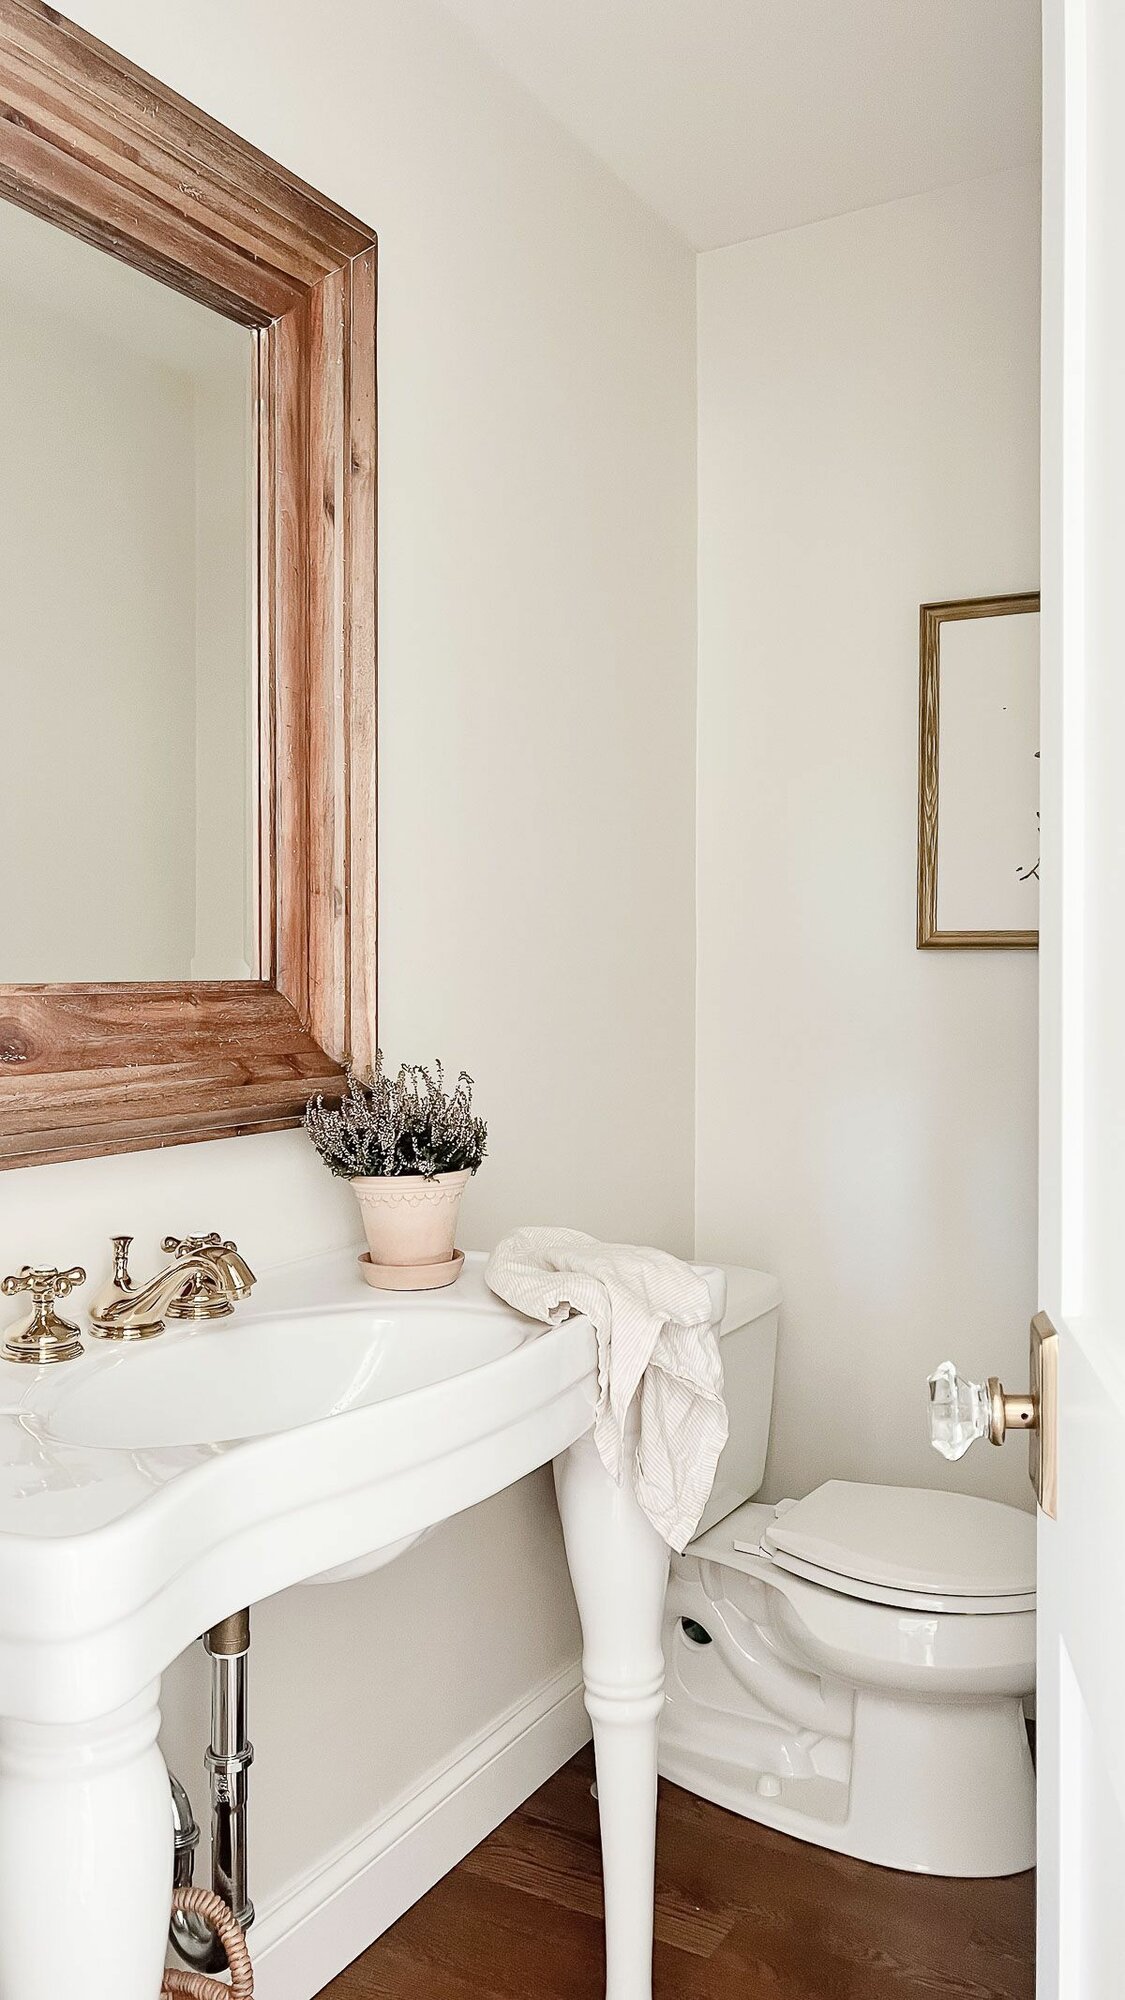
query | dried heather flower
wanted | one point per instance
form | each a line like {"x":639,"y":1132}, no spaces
{"x":409,"y":1124}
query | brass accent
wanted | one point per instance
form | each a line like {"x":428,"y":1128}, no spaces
{"x":230,"y":1636}
{"x":42,"y":1336}
{"x":931,"y":619}
{"x":1043,"y":1455}
{"x":1036,"y":1413}
{"x":109,"y":1317}
{"x":1009,"y":1413}
{"x":204,"y":1281}
{"x":202,"y":1300}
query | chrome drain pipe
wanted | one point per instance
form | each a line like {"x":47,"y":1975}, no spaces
{"x":228,"y":1760}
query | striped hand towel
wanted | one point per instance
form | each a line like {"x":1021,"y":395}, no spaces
{"x":658,"y":1345}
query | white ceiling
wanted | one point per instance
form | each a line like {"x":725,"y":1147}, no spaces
{"x":732,"y":118}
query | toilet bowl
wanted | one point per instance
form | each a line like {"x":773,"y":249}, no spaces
{"x":852,"y":1667}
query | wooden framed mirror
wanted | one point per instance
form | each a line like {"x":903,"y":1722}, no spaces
{"x":92,"y":1065}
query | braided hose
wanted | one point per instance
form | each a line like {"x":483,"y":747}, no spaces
{"x":204,"y":1903}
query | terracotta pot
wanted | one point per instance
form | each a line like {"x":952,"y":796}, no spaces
{"x":408,"y":1219}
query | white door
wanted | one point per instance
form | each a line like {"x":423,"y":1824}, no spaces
{"x":1082,"y":1067}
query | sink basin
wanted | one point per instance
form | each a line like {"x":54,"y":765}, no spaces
{"x":236,"y":1381}
{"x":150,"y":1488}
{"x":320,"y":1430}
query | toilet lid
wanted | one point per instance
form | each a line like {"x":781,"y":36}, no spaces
{"x":909,"y":1539}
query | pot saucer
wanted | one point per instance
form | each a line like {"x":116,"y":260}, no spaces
{"x":411,"y":1277}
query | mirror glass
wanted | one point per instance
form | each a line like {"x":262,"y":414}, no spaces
{"x":128,"y":809}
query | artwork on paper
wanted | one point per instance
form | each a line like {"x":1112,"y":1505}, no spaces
{"x":978,"y":803}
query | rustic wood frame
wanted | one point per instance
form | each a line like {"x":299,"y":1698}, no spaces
{"x":93,"y":144}
{"x":931,"y":619}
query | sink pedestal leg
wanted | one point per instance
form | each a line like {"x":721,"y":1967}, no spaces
{"x":619,"y":1567}
{"x":85,"y":1857}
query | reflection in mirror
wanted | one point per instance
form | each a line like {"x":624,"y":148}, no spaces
{"x":128,"y":809}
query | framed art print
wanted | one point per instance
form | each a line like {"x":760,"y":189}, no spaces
{"x":978,"y":773}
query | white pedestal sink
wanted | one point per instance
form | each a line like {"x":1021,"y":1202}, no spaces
{"x":147,"y":1491}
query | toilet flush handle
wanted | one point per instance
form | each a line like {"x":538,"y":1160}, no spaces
{"x":962,"y":1411}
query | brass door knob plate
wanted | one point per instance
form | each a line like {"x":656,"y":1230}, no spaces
{"x":42,"y":1336}
{"x":962,"y":1411}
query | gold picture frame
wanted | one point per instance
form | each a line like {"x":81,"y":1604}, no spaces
{"x":932,"y":617}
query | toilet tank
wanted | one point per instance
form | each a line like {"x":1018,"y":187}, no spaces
{"x":749,"y":1346}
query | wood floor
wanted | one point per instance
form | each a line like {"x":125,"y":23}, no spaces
{"x":742,"y":1914}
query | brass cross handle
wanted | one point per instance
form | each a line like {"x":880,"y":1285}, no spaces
{"x":42,"y":1336}
{"x":193,"y":1246}
{"x":44,"y":1285}
{"x":215,"y":1291}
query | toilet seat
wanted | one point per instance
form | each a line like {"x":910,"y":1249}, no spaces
{"x":899,"y":1600}
{"x":901,"y":1546}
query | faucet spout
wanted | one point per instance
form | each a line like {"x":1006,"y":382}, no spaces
{"x":204,"y":1280}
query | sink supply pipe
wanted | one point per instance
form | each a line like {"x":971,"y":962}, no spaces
{"x":198,"y":1939}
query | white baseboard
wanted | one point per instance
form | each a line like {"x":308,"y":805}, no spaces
{"x":332,"y":1914}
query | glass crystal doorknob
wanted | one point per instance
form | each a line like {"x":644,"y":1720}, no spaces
{"x":962,"y":1411}
{"x":959,"y":1411}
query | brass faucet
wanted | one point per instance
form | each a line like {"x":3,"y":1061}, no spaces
{"x":205,"y":1279}
{"x":42,"y":1335}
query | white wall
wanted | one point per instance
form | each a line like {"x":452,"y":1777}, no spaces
{"x":537,"y":586}
{"x":868,"y":413}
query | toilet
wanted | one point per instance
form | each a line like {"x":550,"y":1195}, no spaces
{"x":851,"y":1667}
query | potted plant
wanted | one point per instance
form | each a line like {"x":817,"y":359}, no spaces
{"x":409,"y":1147}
